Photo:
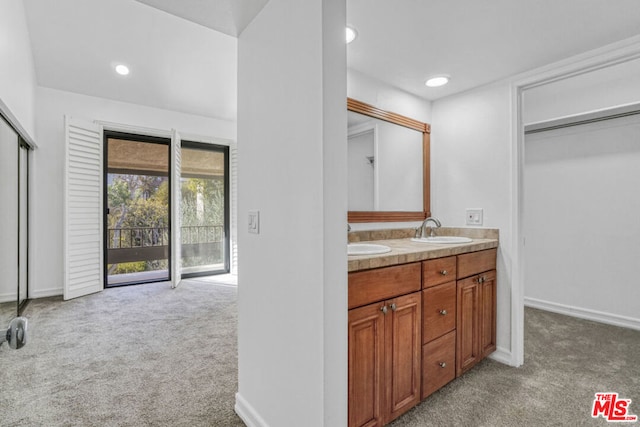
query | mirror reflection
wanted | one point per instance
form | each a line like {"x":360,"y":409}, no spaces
{"x":385,"y":165}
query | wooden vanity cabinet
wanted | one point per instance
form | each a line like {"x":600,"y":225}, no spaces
{"x":476,"y":308}
{"x":415,"y":327}
{"x":384,"y":344}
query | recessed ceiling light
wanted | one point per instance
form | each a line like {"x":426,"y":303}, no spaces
{"x":351,"y":34}
{"x":122,"y":69}
{"x":437,"y":81}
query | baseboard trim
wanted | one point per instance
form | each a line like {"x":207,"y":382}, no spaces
{"x":502,"y":355}
{"x":7,"y":297}
{"x":247,"y":413}
{"x":584,"y":313}
{"x":45,"y":293}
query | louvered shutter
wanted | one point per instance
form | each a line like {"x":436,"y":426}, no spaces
{"x":176,"y":242}
{"x":83,"y":205}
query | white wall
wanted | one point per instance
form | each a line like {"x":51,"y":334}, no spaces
{"x":603,"y":88}
{"x":48,"y":163}
{"x":17,"y":72}
{"x":581,"y":220}
{"x":399,"y":163}
{"x":292,"y":278}
{"x":471,"y":168}
{"x":382,"y":95}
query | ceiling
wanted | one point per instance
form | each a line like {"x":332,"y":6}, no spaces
{"x":227,"y":16}
{"x":403,"y":42}
{"x":183,"y":54}
{"x":175,"y":64}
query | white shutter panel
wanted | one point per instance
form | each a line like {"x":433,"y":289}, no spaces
{"x":233,"y":165}
{"x":83,"y":222}
{"x":176,"y":223}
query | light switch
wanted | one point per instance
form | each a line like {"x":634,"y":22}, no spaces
{"x":254,"y":222}
{"x":474,"y":216}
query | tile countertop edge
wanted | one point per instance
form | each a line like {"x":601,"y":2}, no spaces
{"x":404,"y":251}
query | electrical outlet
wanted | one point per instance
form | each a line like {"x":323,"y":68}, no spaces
{"x":254,"y":222}
{"x":474,"y":216}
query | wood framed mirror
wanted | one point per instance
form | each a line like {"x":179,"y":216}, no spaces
{"x":389,"y":165}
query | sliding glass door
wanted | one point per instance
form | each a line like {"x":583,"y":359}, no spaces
{"x":137,"y":236}
{"x":14,"y":207}
{"x":23,"y":224}
{"x":204,"y":210}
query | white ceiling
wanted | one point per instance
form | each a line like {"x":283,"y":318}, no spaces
{"x":227,"y":16}
{"x":403,"y":42}
{"x":175,"y":64}
{"x":178,"y":65}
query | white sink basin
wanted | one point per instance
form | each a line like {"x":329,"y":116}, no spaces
{"x":442,"y":239}
{"x":366,"y":249}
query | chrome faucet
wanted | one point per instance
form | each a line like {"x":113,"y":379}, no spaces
{"x":422,"y":228}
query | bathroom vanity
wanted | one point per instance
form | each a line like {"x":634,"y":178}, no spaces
{"x":419,"y":316}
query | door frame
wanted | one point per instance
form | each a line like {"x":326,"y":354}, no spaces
{"x":190,"y":144}
{"x":136,"y":137}
{"x":613,"y":54}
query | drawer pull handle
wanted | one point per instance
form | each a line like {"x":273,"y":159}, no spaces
{"x":444,"y":272}
{"x":443,"y":312}
{"x":442,"y":364}
{"x":383,"y":309}
{"x":393,"y":307}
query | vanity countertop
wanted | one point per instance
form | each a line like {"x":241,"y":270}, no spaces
{"x":404,"y":251}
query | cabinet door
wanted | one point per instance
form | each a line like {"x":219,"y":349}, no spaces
{"x":366,"y":364}
{"x":403,"y":356}
{"x":467,"y":346}
{"x":487,"y":313}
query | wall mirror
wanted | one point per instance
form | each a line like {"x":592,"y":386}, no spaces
{"x":388,"y":165}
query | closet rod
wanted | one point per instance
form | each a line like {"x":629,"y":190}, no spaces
{"x":583,"y":119}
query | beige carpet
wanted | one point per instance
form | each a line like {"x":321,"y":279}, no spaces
{"x":151,"y":356}
{"x":567,"y":361}
{"x":142,"y":355}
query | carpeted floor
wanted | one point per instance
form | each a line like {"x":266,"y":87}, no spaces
{"x":567,"y":361}
{"x":151,"y":356}
{"x":142,"y":355}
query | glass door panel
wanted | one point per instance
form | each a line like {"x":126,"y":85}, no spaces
{"x":23,"y":239}
{"x":9,"y":224}
{"x":204,"y":209}
{"x":137,"y":223}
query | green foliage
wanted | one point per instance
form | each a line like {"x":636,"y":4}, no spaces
{"x":139,"y":201}
{"x":128,"y":267}
{"x":202,"y":201}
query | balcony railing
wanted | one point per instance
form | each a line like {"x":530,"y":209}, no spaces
{"x":151,"y":243}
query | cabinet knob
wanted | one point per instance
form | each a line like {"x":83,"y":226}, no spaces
{"x":442,"y":364}
{"x":443,"y":312}
{"x":393,"y":307}
{"x":444,"y":272}
{"x":383,"y":309}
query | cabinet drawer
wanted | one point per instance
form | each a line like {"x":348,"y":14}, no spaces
{"x":369,"y":286}
{"x":476,"y":262}
{"x":438,"y":311}
{"x":439,"y":270}
{"x":438,"y":363}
